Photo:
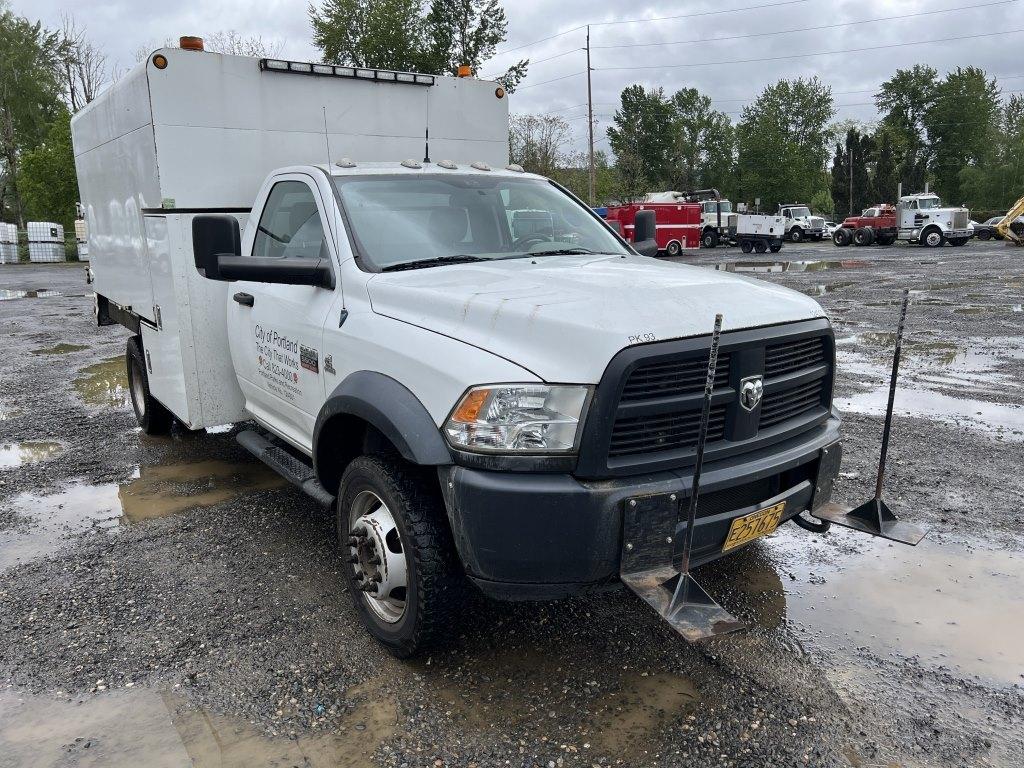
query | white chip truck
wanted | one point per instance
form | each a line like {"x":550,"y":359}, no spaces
{"x":331,"y":255}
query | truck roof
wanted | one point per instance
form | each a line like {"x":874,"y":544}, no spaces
{"x":418,"y":168}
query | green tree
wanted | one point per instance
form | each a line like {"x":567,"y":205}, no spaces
{"x":30,"y":92}
{"x":886,"y":178}
{"x":904,"y":100}
{"x":823,"y":203}
{"x":403,"y":35}
{"x":997,"y":183}
{"x":704,"y":141}
{"x":535,"y":142}
{"x":963,"y":123}
{"x":46,"y":176}
{"x":783,"y":140}
{"x":854,"y":155}
{"x":642,"y":140}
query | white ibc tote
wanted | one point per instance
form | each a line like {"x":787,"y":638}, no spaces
{"x":82,"y":239}
{"x":45,"y":241}
{"x":8,"y":244}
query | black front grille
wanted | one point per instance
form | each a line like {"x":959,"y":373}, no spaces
{"x":673,"y":431}
{"x":646,"y":412}
{"x":673,"y":377}
{"x":789,"y":356}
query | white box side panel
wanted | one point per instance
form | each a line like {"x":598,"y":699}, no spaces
{"x":468,"y":122}
{"x":163,"y":346}
{"x":202,"y":309}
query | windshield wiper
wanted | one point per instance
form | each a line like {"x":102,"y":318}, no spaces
{"x":561,"y":252}
{"x":464,"y":258}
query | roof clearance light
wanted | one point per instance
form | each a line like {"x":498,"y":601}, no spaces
{"x":382,"y":75}
{"x":480,"y":166}
{"x":448,"y":164}
{"x":298,"y":66}
{"x":369,"y":74}
{"x":275,"y":64}
{"x":323,"y":69}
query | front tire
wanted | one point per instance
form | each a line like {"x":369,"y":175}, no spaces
{"x":933,"y":238}
{"x":150,"y":413}
{"x":709,"y":239}
{"x":984,"y":234}
{"x":796,"y":234}
{"x":410,"y":565}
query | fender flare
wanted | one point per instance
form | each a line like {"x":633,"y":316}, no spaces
{"x":391,"y":408}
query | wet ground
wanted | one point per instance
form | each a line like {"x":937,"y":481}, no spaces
{"x":170,"y":602}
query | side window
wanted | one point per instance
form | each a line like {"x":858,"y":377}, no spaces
{"x":290,"y":225}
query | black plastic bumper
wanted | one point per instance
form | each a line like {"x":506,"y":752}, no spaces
{"x":544,"y":536}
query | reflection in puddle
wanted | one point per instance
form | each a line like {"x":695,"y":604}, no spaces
{"x":786,"y":266}
{"x":142,"y":727}
{"x":29,"y":452}
{"x":821,"y":289}
{"x":105,"y":383}
{"x":40,"y":293}
{"x":946,"y":605}
{"x":48,"y":521}
{"x":60,"y":349}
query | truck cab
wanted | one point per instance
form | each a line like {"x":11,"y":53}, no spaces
{"x":482,"y":380}
{"x":800,"y":224}
{"x":921,"y":218}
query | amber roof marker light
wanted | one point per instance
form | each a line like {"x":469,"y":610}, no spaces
{"x":191,"y":43}
{"x":465,"y":70}
{"x":160,"y":61}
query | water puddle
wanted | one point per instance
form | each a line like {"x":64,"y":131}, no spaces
{"x":138,"y":726}
{"x":105,"y":383}
{"x":45,"y":523}
{"x":39,"y":293}
{"x":59,"y":349}
{"x":29,"y":452}
{"x":786,"y":266}
{"x":948,"y":605}
{"x":822,"y":289}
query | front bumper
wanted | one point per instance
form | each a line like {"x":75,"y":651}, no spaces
{"x":545,"y":536}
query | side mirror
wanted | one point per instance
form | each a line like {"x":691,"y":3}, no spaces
{"x":644,"y":228}
{"x":211,"y":237}
{"x":268,"y":269}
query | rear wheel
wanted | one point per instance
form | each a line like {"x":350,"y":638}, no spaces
{"x":796,"y":234}
{"x":775,"y":248}
{"x":402,"y":569}
{"x":674,"y":248}
{"x":932,"y":238}
{"x":709,"y":239}
{"x":760,"y":246}
{"x":864,"y":236}
{"x":746,"y":246}
{"x":841,"y":237}
{"x":885,"y":239}
{"x":957,"y":241}
{"x":151,"y":415}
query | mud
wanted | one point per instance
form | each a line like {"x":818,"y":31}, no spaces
{"x":166,"y":601}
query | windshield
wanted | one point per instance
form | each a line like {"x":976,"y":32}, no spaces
{"x":926,"y":203}
{"x":431,"y":220}
{"x":798,"y":212}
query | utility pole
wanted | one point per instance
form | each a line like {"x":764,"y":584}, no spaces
{"x":590,"y":121}
{"x":851,"y":181}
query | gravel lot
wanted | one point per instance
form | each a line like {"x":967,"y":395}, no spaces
{"x":169,"y":602}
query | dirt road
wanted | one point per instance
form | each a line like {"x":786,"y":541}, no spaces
{"x":170,"y":602}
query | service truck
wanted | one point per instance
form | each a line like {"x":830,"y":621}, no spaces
{"x":333,"y":256}
{"x":800,"y":224}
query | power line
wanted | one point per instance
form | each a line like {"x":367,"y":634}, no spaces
{"x":643,"y":20}
{"x":795,"y":29}
{"x":809,"y":54}
{"x":552,"y":80}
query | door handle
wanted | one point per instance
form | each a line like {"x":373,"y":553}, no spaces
{"x":245,"y":299}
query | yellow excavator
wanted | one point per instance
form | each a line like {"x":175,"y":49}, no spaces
{"x":1004,"y":228}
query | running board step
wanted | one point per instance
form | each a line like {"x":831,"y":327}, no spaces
{"x":293,"y":470}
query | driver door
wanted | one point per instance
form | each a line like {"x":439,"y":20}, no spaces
{"x":277,"y":330}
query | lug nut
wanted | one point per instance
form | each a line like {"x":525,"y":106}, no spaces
{"x":377,"y":578}
{"x":368,"y":587}
{"x":374,"y":560}
{"x":359,"y":530}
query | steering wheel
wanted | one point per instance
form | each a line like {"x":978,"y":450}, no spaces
{"x":524,"y":242}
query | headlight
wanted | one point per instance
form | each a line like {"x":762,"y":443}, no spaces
{"x":518,"y":418}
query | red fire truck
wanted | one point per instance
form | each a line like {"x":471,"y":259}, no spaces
{"x":678,"y":224}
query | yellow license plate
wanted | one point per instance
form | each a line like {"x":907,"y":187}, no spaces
{"x":750,"y":527}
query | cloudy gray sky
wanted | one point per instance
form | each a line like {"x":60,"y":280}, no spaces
{"x":729,"y":50}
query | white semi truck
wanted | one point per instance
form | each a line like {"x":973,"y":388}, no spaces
{"x":333,"y":255}
{"x":921,"y":218}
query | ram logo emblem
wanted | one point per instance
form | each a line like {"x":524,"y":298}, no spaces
{"x":751,"y":390}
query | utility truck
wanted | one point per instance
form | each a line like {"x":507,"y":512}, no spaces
{"x":489,"y":387}
{"x":800,"y":224}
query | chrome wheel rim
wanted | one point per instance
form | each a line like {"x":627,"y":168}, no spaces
{"x":138,"y":395}
{"x":377,"y":556}
{"x":934,"y":238}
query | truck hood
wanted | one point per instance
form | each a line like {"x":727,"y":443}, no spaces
{"x":564,"y":317}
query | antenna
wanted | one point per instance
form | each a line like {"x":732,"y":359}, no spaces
{"x":327,"y":138}
{"x":426,"y":145}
